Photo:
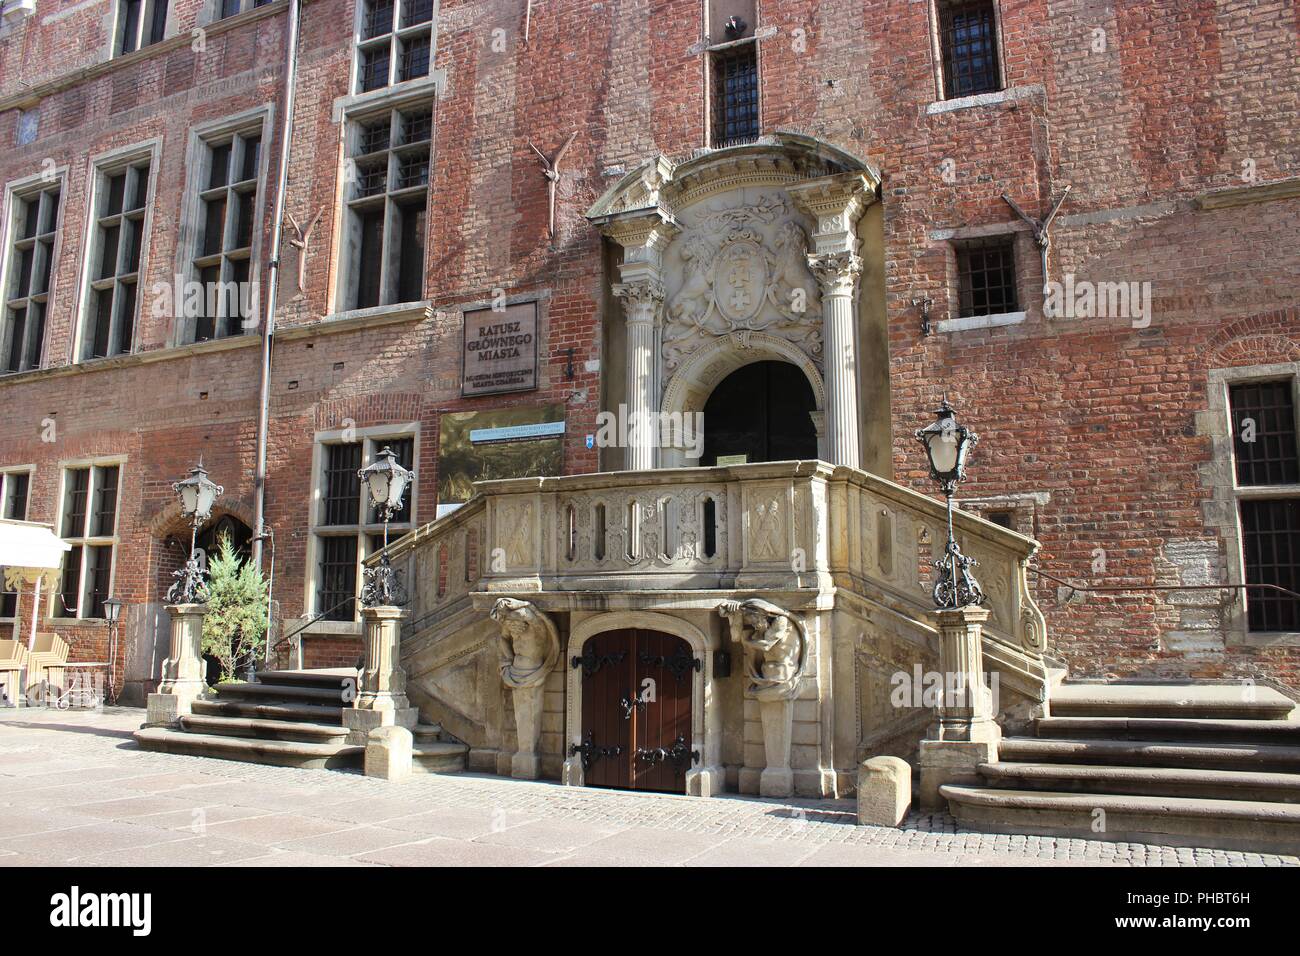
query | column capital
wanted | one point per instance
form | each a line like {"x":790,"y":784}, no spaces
{"x":640,"y":297}
{"x":837,"y":272}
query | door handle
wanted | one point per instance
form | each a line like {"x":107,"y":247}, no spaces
{"x":629,"y":704}
{"x":679,"y":753}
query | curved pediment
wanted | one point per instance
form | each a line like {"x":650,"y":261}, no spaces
{"x":779,"y":159}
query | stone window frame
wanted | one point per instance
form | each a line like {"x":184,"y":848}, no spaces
{"x":358,"y":40}
{"x":402,"y":98}
{"x":935,"y":14}
{"x":198,"y":152}
{"x":1018,"y":233}
{"x":147,"y":9}
{"x":372,"y":438}
{"x":713,"y":50}
{"x":1023,"y":507}
{"x":86,"y":541}
{"x":6,"y":473}
{"x":1222,"y":509}
{"x":100,"y":168}
{"x":22,"y":190}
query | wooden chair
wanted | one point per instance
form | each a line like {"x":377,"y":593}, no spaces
{"x":48,"y":655}
{"x":13,"y":661}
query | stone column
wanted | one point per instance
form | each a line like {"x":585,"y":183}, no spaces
{"x":643,"y":235}
{"x":838,"y":275}
{"x":182,"y":671}
{"x":641,"y":301}
{"x":381,"y":697}
{"x":837,"y":203}
{"x":965,"y":735}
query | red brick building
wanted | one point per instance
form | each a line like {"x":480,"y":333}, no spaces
{"x":141,"y":148}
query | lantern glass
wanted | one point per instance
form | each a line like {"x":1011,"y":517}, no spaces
{"x":945,"y":446}
{"x":377,"y":480}
{"x":189,"y":498}
{"x":397,"y":488}
{"x":205,"y":498}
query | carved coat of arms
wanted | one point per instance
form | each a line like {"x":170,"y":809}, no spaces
{"x":747,"y":273}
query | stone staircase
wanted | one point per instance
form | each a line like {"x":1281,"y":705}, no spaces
{"x":290,"y":718}
{"x":1194,"y":765}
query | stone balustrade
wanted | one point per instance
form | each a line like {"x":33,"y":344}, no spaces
{"x":782,"y":526}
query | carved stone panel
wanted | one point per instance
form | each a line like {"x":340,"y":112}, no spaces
{"x":740,"y":264}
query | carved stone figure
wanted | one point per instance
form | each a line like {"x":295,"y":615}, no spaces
{"x":529,"y":644}
{"x":775,"y":643}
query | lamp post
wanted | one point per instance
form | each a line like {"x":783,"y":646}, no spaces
{"x":112,"y":614}
{"x":197,"y":495}
{"x":387,"y":482}
{"x":947,"y":445}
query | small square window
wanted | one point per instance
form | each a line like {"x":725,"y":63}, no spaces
{"x":986,"y":277}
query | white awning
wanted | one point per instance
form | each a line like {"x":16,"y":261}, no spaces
{"x":26,"y":544}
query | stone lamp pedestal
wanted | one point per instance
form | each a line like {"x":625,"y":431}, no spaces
{"x":381,"y":697}
{"x":182,"y":671}
{"x":965,"y":735}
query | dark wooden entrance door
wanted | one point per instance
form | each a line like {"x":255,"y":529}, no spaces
{"x":636,"y":710}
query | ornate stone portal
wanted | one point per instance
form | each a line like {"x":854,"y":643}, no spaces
{"x":776,"y":652}
{"x":528,"y":648}
{"x":755,"y":247}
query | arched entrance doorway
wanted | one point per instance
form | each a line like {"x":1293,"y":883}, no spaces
{"x":763,"y":412}
{"x":636,"y":711}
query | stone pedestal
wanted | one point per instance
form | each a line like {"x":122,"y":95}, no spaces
{"x":182,"y":671}
{"x":777,"y":779}
{"x":525,"y":764}
{"x":884,"y":791}
{"x":381,"y":697}
{"x":388,"y":753}
{"x":965,"y":734}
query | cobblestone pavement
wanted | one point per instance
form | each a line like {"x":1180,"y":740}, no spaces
{"x":74,"y":789}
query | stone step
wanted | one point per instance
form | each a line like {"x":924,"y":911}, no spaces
{"x":309,"y":713}
{"x":264,"y":729}
{"x":280,"y":753}
{"x":1207,"y":756}
{"x":1145,"y":781}
{"x":1223,"y":701}
{"x":332,"y":677}
{"x":430,"y":732}
{"x":1185,"y":821}
{"x":279,"y":692}
{"x":1284,"y":732}
{"x":438,"y":757}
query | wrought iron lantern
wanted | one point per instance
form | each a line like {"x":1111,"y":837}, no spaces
{"x":387,"y":481}
{"x":112,"y":611}
{"x":112,"y":614}
{"x":197,"y":496}
{"x":947,"y":445}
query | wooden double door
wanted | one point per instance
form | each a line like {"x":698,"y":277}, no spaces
{"x":636,"y":710}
